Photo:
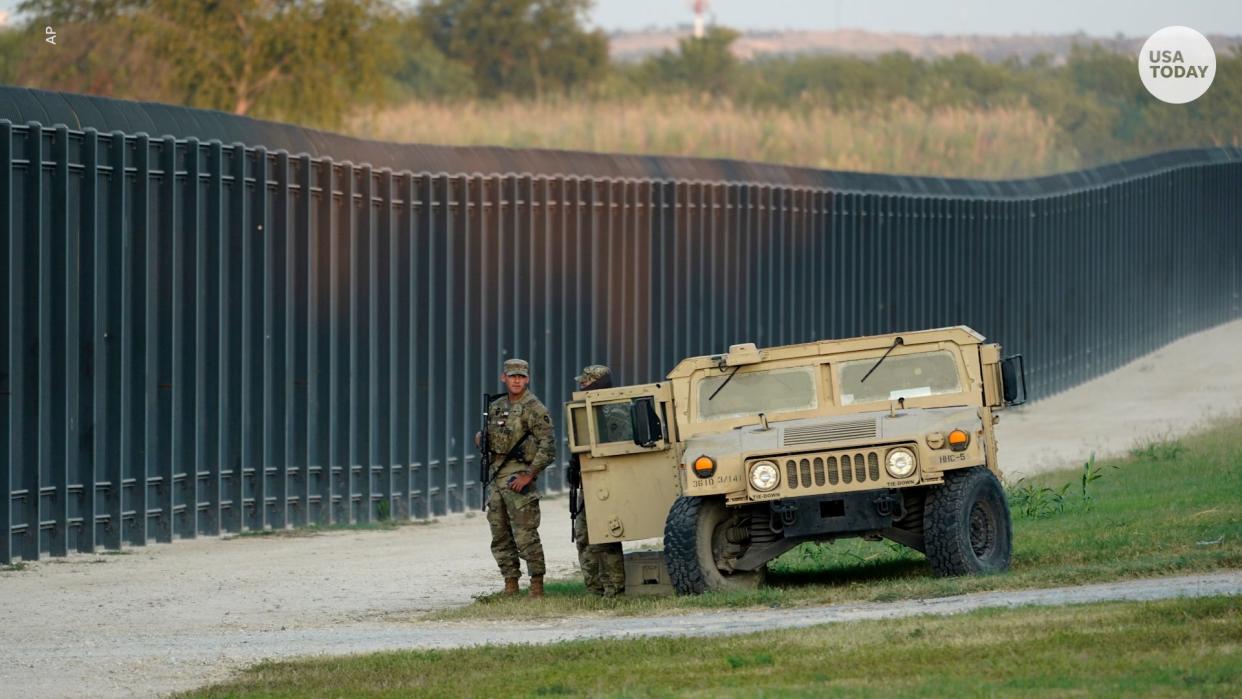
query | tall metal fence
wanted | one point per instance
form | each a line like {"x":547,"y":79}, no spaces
{"x":203,"y":337}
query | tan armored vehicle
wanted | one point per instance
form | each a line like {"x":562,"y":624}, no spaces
{"x":738,"y":457}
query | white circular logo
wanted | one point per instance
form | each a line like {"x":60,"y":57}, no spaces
{"x":1177,"y":64}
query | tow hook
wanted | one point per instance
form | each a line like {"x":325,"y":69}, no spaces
{"x":888,"y":506}
{"x":787,"y":511}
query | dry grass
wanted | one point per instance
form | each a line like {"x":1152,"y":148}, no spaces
{"x":901,"y":138}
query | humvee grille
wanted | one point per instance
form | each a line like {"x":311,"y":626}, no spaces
{"x":809,"y":434}
{"x":838,"y":467}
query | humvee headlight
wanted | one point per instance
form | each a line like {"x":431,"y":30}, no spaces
{"x":764,"y":476}
{"x":900,"y":463}
{"x":959,"y":440}
{"x":704,"y":467}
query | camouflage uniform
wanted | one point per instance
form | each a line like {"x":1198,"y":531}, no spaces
{"x":514,"y":517}
{"x":603,"y":565}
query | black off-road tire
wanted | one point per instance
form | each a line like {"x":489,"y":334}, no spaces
{"x":966,"y":524}
{"x":688,"y":548}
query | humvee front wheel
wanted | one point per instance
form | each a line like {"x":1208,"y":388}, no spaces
{"x":696,"y":538}
{"x":966,"y":525}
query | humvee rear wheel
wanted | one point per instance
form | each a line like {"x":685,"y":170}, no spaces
{"x":697,"y":543}
{"x":966,"y":525}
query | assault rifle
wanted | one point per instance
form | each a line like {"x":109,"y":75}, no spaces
{"x":573,"y":475}
{"x":485,"y":450}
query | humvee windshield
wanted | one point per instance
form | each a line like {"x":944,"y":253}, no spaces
{"x":906,"y":376}
{"x":754,"y":392}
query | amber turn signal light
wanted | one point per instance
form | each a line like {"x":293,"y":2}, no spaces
{"x":959,"y":440}
{"x":704,"y":467}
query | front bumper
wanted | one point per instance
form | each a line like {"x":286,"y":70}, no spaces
{"x":845,"y":513}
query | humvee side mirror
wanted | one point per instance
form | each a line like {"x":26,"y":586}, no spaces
{"x":1013,"y":376}
{"x":645,"y":422}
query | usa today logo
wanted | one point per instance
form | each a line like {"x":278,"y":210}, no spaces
{"x":1177,"y":65}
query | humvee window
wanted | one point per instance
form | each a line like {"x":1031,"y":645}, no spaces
{"x":751,"y":393}
{"x":612,"y":423}
{"x":905,"y":376}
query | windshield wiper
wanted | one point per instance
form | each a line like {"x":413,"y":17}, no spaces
{"x":897,"y":341}
{"x":725,"y":382}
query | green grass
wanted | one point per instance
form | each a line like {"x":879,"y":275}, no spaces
{"x":1168,"y":648}
{"x":1170,"y":507}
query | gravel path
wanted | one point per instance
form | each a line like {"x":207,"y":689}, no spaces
{"x":163,"y":618}
{"x":182,"y":659}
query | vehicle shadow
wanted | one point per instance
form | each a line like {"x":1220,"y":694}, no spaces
{"x":843,"y":574}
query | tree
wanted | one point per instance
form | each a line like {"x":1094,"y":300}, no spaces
{"x":306,"y":60}
{"x":424,"y":72}
{"x":11,"y":46}
{"x":100,"y":50}
{"x":521,"y":47}
{"x":703,"y":65}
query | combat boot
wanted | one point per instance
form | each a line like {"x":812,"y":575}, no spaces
{"x":511,"y":587}
{"x":536,"y":586}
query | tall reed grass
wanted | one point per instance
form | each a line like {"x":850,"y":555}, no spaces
{"x":999,"y":142}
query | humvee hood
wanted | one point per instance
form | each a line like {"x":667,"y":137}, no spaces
{"x":820,"y":432}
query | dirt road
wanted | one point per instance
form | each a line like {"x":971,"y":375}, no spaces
{"x":170,"y":617}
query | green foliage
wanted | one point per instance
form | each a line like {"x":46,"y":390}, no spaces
{"x":1036,"y":502}
{"x":1090,"y":474}
{"x":1158,"y":449}
{"x":1096,"y":99}
{"x":11,"y":44}
{"x":274,"y":58}
{"x":737,"y":662}
{"x":522,"y":47}
{"x":304,"y":60}
{"x":705,"y":65}
{"x":1041,"y":501}
{"x":1215,"y":118}
{"x":423,"y":72}
{"x":101,"y":49}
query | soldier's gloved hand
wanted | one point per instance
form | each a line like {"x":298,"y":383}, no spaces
{"x":519,"y":482}
{"x":477,"y":437}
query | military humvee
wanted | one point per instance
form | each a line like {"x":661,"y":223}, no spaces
{"x":738,"y":457}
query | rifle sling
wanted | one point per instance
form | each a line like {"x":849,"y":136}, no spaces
{"x":505,"y":460}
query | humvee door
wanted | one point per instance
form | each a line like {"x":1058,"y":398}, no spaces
{"x":628,"y":486}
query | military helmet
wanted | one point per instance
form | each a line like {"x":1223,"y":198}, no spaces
{"x":517,"y":367}
{"x":591,"y":374}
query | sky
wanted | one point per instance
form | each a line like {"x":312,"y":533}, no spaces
{"x":1093,"y":17}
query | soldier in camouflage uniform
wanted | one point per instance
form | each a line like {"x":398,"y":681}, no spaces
{"x":603,"y":565}
{"x":513,"y":502}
